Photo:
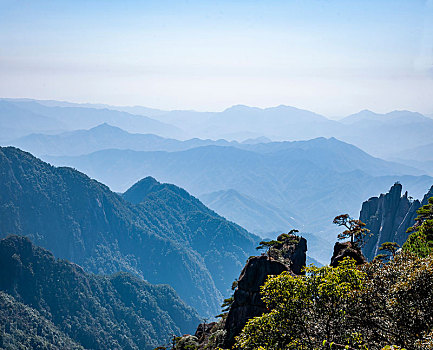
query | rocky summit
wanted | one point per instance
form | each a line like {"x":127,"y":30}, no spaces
{"x":388,"y":217}
{"x":247,"y":302}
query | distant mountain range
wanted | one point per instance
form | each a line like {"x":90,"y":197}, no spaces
{"x":382,"y":135}
{"x":21,"y":118}
{"x":102,"y":137}
{"x":241,"y":180}
{"x":168,"y":237}
{"x":48,"y":303}
{"x":304,"y":184}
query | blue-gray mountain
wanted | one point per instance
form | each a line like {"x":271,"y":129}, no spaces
{"x":102,"y":137}
{"x":170,"y":237}
{"x":305,"y":184}
{"x":21,"y":118}
{"x":58,"y":305}
{"x":388,"y":217}
{"x":379,"y":134}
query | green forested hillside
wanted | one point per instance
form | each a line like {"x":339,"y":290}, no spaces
{"x":22,"y":327}
{"x":187,"y":220}
{"x":119,"y":311}
{"x":83,"y":221}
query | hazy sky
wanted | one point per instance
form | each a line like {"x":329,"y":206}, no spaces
{"x":331,"y":56}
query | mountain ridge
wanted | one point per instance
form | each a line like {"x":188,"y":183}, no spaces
{"x":104,"y":233}
{"x":118,"y":311}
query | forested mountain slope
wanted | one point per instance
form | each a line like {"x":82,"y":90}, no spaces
{"x":81,"y":220}
{"x":66,"y":307}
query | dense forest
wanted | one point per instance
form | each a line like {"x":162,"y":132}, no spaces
{"x":52,"y":303}
{"x":156,"y":231}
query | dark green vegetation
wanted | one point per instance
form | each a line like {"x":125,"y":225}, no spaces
{"x":388,"y":301}
{"x":365,"y":307}
{"x":169,"y":238}
{"x":386,"y":304}
{"x":22,"y":327}
{"x":420,"y":241}
{"x":119,"y":311}
{"x":355,"y":230}
{"x":261,"y":185}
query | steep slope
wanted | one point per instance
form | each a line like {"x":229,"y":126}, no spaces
{"x":388,"y":217}
{"x":98,"y":312}
{"x":25,"y":328}
{"x":186,"y":219}
{"x":83,"y":221}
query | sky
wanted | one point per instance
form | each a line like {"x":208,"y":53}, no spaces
{"x":334,"y":57}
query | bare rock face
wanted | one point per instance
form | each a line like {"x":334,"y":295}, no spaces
{"x":388,"y":217}
{"x":247,"y":301}
{"x":346,"y":250}
{"x":292,"y":252}
{"x":288,"y":254}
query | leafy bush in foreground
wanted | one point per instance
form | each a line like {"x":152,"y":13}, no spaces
{"x":348,"y":307}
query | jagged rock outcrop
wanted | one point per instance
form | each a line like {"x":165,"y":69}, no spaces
{"x":388,"y":217}
{"x":287,"y":254}
{"x":346,"y":250}
{"x":247,"y":301}
{"x":204,"y":330}
{"x":291,"y":252}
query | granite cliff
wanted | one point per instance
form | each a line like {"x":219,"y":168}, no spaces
{"x":288,"y":253}
{"x":388,"y":217}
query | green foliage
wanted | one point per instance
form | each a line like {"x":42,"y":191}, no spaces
{"x":118,"y":311}
{"x":389,"y":247}
{"x":188,"y":342}
{"x":349,"y":307}
{"x":228,"y":302}
{"x":304,"y":310}
{"x":159,"y":232}
{"x":22,"y":327}
{"x":420,"y":241}
{"x":356,"y":230}
{"x":284,"y":238}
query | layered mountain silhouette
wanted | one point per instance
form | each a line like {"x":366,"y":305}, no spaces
{"x":52,"y":303}
{"x":102,"y":137}
{"x":305,"y":184}
{"x":382,"y":135}
{"x":169,"y":237}
{"x":16,"y":121}
{"x":25,"y":117}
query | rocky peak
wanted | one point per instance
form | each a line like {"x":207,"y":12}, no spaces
{"x":287,"y":253}
{"x":290,"y":250}
{"x":346,"y":250}
{"x":388,"y":217}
